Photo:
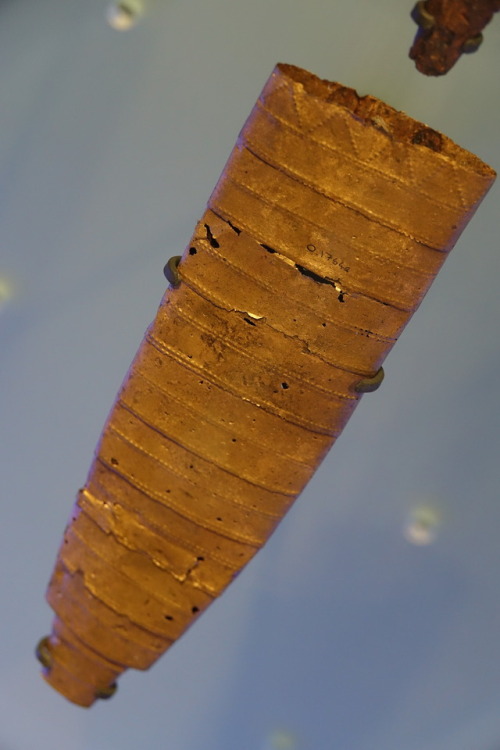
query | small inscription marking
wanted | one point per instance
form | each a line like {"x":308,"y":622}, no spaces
{"x":329,"y":257}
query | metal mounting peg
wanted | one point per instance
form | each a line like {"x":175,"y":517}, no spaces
{"x":472,"y":44}
{"x":42,"y":653}
{"x":171,"y":272}
{"x":108,"y":692}
{"x":422,"y":17}
{"x":368,"y":385}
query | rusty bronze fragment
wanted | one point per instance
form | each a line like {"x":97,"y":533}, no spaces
{"x":331,"y":219}
{"x":448,"y":29}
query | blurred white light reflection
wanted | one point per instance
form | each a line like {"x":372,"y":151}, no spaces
{"x":422,"y":525}
{"x":6,"y":292}
{"x":281,"y":739}
{"x":123,"y":15}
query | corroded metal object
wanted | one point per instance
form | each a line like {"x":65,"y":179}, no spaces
{"x":331,"y":219}
{"x":171,"y":272}
{"x":369,"y":385}
{"x":447,"y":30}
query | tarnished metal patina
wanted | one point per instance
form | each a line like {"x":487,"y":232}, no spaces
{"x":330,"y":221}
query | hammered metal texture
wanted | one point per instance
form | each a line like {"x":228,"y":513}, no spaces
{"x":331,"y":219}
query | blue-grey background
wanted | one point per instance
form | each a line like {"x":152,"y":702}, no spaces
{"x":341,"y":634}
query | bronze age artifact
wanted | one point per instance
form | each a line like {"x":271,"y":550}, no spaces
{"x":330,"y":220}
{"x":447,"y":30}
